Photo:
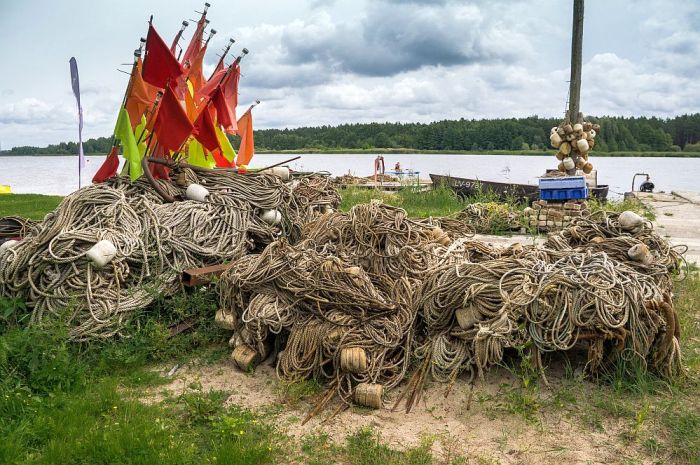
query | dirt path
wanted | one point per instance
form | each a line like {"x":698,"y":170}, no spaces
{"x":484,"y":427}
{"x":677,"y":218}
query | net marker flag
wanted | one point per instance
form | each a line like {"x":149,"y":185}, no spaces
{"x":75,"y":83}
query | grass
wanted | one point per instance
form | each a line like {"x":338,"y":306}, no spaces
{"x":34,"y":206}
{"x":435,"y":202}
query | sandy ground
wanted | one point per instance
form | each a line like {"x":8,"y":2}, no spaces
{"x":677,"y":218}
{"x":475,"y":428}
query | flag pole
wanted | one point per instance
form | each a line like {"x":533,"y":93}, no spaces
{"x":75,"y":84}
{"x":223,"y":55}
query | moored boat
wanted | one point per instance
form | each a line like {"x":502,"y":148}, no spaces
{"x":465,"y":187}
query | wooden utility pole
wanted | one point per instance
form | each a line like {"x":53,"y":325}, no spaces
{"x":576,"y":52}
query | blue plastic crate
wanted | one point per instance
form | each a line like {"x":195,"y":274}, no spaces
{"x":564,"y":194}
{"x":566,"y":182}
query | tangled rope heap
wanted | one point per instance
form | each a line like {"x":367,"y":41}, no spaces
{"x":154,"y":242}
{"x":408,"y":295}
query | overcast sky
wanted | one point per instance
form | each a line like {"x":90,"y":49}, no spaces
{"x":334,"y":61}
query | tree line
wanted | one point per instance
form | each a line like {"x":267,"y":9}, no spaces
{"x":642,"y":134}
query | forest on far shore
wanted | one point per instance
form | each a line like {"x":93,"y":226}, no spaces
{"x":617,"y":134}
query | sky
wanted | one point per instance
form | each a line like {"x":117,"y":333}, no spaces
{"x":326,"y":62}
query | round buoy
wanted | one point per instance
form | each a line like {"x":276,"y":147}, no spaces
{"x":353,"y":360}
{"x":440,"y":236}
{"x":640,"y":253}
{"x":281,"y":172}
{"x":369,"y":394}
{"x":224,"y":319}
{"x":196,"y":192}
{"x":555,"y":140}
{"x":8,"y":244}
{"x":245,"y":357}
{"x":565,"y":148}
{"x":582,"y":145}
{"x":102,"y":253}
{"x":630,"y":221}
{"x":271,"y":217}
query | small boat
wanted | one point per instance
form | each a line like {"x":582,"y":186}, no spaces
{"x":465,"y":187}
{"x":5,"y":189}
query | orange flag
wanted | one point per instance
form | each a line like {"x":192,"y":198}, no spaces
{"x":195,"y":74}
{"x":245,"y":130}
{"x":230,"y":89}
{"x":141,"y":96}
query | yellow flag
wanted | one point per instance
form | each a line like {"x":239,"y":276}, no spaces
{"x":196,"y":157}
{"x":128,"y":142}
{"x":225,"y":144}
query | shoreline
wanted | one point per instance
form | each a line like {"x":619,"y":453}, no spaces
{"x":384,"y":151}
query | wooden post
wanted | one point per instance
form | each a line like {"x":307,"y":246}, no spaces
{"x":576,"y":52}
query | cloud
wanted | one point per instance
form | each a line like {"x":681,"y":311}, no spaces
{"x":410,"y":60}
{"x":395,"y":37}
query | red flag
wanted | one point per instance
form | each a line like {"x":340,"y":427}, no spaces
{"x":172,"y":127}
{"x":210,"y":86}
{"x":109,"y":167}
{"x":159,"y":66}
{"x":245,"y":130}
{"x":221,"y":161}
{"x":223,"y":113}
{"x":196,"y":41}
{"x":204,"y":130}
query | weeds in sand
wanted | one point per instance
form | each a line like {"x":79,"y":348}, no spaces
{"x":294,"y":392}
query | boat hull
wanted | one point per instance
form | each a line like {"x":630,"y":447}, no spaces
{"x":465,"y":187}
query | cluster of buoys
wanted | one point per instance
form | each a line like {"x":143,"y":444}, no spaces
{"x":574,"y":143}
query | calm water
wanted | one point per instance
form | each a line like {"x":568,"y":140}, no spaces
{"x":59,"y":174}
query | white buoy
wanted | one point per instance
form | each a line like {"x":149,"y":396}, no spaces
{"x":569,"y":163}
{"x":196,"y":192}
{"x":102,"y":253}
{"x":281,"y":172}
{"x":271,"y":217}
{"x":582,"y":145}
{"x":630,"y":221}
{"x":8,"y":244}
{"x":555,"y":140}
{"x":578,"y":127}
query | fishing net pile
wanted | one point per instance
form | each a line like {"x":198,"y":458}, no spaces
{"x":369,"y":295}
{"x":110,"y":249}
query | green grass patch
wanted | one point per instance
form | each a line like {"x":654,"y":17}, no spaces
{"x":34,"y":206}
{"x":434,"y":202}
{"x":364,"y":447}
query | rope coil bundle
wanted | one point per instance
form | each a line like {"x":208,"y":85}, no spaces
{"x":154,"y":242}
{"x":370,"y":294}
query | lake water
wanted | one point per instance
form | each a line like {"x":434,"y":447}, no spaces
{"x":59,"y":174}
